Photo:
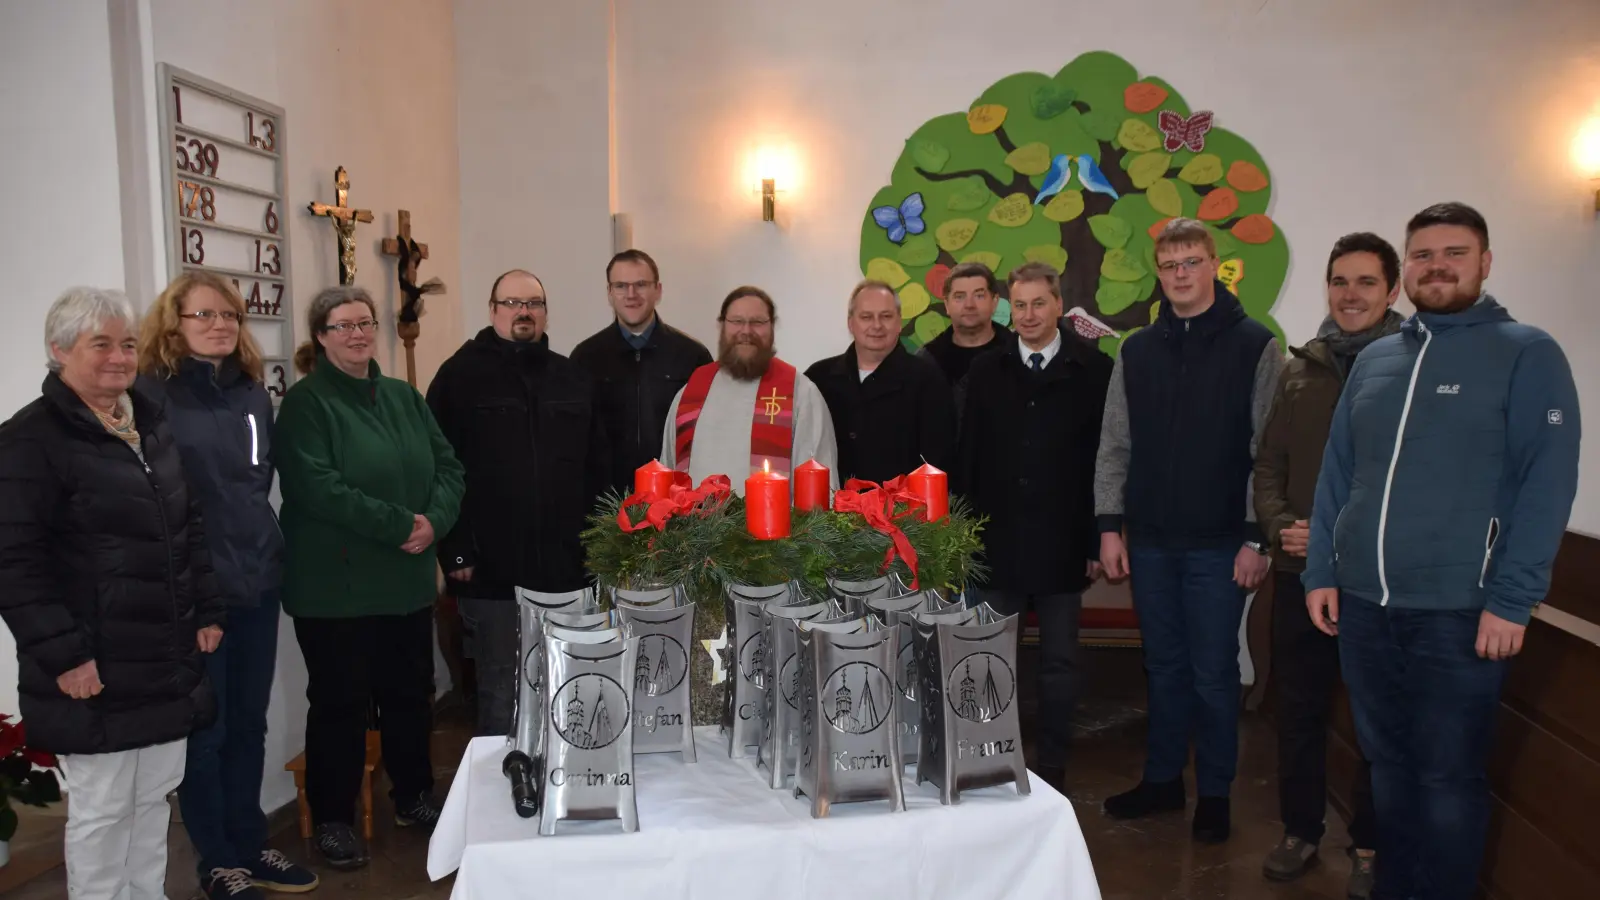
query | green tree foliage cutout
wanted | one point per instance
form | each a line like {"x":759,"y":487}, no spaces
{"x":979,"y":175}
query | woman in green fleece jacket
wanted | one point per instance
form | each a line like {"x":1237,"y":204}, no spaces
{"x":368,"y":483}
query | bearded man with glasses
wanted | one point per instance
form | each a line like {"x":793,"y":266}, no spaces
{"x":1188,"y":401}
{"x":749,"y":410}
{"x":524,"y":423}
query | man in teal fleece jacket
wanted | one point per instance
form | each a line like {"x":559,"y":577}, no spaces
{"x":1445,"y":487}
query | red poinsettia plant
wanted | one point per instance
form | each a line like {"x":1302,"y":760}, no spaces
{"x":25,"y":775}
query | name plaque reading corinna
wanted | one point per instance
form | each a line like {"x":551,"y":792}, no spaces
{"x":225,"y":177}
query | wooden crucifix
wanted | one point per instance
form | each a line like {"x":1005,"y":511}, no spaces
{"x":410,"y":254}
{"x":344,"y":222}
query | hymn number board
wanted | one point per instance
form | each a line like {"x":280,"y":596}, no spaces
{"x":225,"y":177}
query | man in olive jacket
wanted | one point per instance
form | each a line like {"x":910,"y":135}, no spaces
{"x":1363,"y":280}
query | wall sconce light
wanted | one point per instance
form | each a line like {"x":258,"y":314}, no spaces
{"x":768,"y":168}
{"x":1586,"y":153}
{"x":769,"y":200}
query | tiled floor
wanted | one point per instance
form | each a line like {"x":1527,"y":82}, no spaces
{"x":1145,"y":860}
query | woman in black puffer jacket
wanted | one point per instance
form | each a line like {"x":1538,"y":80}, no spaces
{"x":106,"y":585}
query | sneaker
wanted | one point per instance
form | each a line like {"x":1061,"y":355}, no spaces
{"x":1290,"y":859}
{"x":1148,"y":797}
{"x":339,"y":846}
{"x":1213,"y":822}
{"x":1362,"y":874}
{"x":273,"y":871}
{"x":233,"y":884}
{"x":421,"y":811}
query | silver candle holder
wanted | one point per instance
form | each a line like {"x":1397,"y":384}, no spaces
{"x":745,"y":705}
{"x":589,"y":768}
{"x":664,"y":714}
{"x":780,"y":731}
{"x":850,"y":742}
{"x":971,"y":737}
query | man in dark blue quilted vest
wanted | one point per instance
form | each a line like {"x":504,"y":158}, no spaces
{"x":1446,"y":485}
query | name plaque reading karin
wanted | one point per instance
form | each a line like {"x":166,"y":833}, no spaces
{"x":225,"y":177}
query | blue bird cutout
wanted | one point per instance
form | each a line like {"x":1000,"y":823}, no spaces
{"x":907,"y":219}
{"x":1093,"y":179}
{"x":1055,"y":180}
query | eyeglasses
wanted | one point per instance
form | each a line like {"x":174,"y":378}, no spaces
{"x":208,"y":316}
{"x":345,"y":329}
{"x":737,"y":324}
{"x":622,"y":287}
{"x":1187,"y":265}
{"x":520,"y":304}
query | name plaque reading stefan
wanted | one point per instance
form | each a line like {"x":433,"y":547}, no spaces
{"x":225,"y":178}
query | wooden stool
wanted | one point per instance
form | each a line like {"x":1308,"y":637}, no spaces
{"x":298,"y":767}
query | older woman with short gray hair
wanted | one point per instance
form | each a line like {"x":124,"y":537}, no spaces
{"x":107,"y":587}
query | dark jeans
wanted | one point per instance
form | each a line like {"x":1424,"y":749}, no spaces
{"x":1424,"y":706}
{"x":1059,"y":663}
{"x":221,"y":791}
{"x":349,"y":664}
{"x":1189,"y":611}
{"x":1305,"y":671}
{"x":490,"y":628}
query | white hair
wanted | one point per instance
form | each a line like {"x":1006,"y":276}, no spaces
{"x":80,"y":311}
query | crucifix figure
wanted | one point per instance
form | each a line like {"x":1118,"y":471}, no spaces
{"x":344,"y":222}
{"x":411,"y":254}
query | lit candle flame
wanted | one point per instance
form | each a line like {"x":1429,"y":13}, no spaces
{"x":766,"y":466}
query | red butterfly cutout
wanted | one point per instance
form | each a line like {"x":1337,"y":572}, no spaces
{"x":1181,"y":132}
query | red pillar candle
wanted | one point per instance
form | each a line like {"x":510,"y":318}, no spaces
{"x":652,"y":478}
{"x":810,"y":486}
{"x":933,"y":486}
{"x":766,"y":504}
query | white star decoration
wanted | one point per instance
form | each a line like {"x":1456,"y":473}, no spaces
{"x":715,"y":648}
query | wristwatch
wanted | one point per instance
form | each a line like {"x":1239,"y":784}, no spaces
{"x":1257,"y":546}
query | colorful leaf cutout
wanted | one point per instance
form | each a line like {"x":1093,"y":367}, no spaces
{"x":1102,"y":124}
{"x":1065,"y":206}
{"x":1112,"y":232}
{"x":918,"y":250}
{"x":1002,"y":313}
{"x":1050,"y":100}
{"x":1155,"y":230}
{"x":1030,"y":159}
{"x":929,"y":325}
{"x":972,"y":194}
{"x":988,"y":258}
{"x":887,"y":271}
{"x":930,"y":155}
{"x":1120,"y":265}
{"x":1143,"y":97}
{"x":1203,"y":169}
{"x":1149,"y":168}
{"x":1230,"y":273}
{"x":1164,"y":198}
{"x":985,"y":118}
{"x":1012,"y":212}
{"x":1219,"y":204}
{"x":914,"y":300}
{"x":1246,"y":176}
{"x":1113,"y":297}
{"x":1137,"y":135}
{"x":1254,"y":229}
{"x":1226,"y":245}
{"x":954,"y":234}
{"x":1053,"y":254}
{"x":934,"y":280}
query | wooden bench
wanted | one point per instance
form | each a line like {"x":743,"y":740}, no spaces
{"x":298,"y":767}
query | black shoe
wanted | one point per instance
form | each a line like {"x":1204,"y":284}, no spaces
{"x":229,"y":884}
{"x":339,"y":846}
{"x":1148,"y":797}
{"x":1055,"y":776}
{"x":421,"y":811}
{"x":1212,"y":820}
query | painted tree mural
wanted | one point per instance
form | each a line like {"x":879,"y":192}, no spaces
{"x":1079,"y":170}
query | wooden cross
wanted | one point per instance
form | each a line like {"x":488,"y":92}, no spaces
{"x":410,"y":254}
{"x":344,"y":222}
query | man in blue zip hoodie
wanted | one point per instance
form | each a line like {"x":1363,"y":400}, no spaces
{"x":1445,"y":488}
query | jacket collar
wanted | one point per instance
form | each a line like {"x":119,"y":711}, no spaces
{"x":1074,"y":354}
{"x":847,"y":365}
{"x":1486,"y":311}
{"x":199,"y":372}
{"x":365,"y":389}
{"x":1225,"y":311}
{"x":146,"y":410}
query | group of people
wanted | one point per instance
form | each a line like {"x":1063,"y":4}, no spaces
{"x":1411,"y":527}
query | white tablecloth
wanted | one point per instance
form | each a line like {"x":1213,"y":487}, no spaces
{"x":714,"y":829}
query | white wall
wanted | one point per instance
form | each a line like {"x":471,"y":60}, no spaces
{"x":1366,"y":111}
{"x":534,"y":126}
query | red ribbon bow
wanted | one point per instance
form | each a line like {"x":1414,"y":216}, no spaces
{"x":680,"y":500}
{"x":875,"y":503}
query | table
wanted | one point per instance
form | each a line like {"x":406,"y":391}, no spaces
{"x":714,"y":829}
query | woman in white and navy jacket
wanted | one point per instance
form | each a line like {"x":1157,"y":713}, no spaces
{"x":199,"y":359}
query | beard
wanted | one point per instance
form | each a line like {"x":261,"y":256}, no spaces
{"x":1443,"y":293}
{"x":740,"y":365}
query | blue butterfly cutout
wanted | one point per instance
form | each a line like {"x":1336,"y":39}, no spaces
{"x":903,"y":221}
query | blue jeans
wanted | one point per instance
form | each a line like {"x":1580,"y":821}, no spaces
{"x":1424,"y":706}
{"x":221,"y":791}
{"x":1189,"y":611}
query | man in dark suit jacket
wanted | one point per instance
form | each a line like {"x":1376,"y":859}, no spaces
{"x":891,"y":411}
{"x":1030,"y":433}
